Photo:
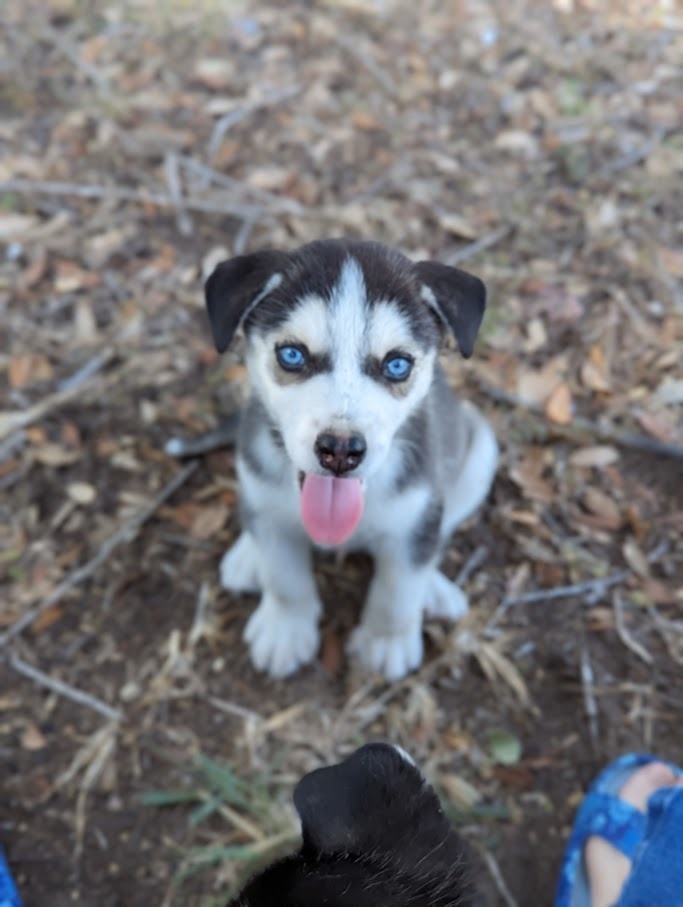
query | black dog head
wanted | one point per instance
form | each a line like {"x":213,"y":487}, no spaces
{"x":374,"y":835}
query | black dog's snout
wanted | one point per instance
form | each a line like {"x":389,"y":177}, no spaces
{"x":339,"y":454}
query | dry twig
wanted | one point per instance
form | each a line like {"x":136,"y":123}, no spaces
{"x":623,"y":633}
{"x":589,"y":700}
{"x":63,"y":689}
{"x":592,"y":589}
{"x":479,"y":245}
{"x":497,"y":876}
{"x":11,"y":421}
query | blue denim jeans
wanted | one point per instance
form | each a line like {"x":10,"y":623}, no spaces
{"x":656,"y":879}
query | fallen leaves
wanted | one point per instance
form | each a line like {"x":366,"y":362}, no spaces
{"x":26,"y":369}
{"x":559,"y":406}
{"x":596,"y":456}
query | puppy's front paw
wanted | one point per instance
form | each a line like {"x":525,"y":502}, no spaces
{"x":444,"y":599}
{"x":392,"y":656}
{"x":239,"y":569}
{"x":280,"y":642}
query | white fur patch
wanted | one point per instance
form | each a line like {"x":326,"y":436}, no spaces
{"x":239,"y":569}
{"x":444,"y":599}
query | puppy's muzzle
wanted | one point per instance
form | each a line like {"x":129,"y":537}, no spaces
{"x":339,"y":454}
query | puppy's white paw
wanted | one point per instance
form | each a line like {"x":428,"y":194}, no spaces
{"x":392,"y":656}
{"x":280,"y":642}
{"x":239,"y":569}
{"x":444,"y":599}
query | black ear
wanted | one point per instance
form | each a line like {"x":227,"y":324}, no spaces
{"x":236,"y":286}
{"x":343,"y":807}
{"x":458,"y":298}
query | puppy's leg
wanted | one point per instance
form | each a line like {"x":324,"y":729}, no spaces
{"x":473,"y":480}
{"x":444,"y":599}
{"x":283,"y":631}
{"x":389,"y":638}
{"x":239,"y":569}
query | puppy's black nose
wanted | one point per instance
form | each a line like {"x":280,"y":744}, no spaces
{"x":339,"y":454}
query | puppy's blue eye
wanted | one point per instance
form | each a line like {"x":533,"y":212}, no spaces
{"x":291,"y":358}
{"x":397,"y":368}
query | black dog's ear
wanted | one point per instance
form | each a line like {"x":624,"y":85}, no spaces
{"x":339,"y":805}
{"x":236,"y":286}
{"x":458,"y":298}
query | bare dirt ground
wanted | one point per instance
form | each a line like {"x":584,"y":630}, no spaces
{"x":144,"y":762}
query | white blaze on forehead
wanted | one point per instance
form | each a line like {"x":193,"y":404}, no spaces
{"x":348,"y":317}
{"x":308,"y":324}
{"x":388,"y":329}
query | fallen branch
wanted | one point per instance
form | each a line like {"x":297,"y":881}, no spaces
{"x":63,"y":689}
{"x":11,"y":421}
{"x":580,"y":426}
{"x":497,"y":876}
{"x":122,"y":194}
{"x":479,"y":245}
{"x":623,"y":633}
{"x":229,"y":120}
{"x":124,"y":534}
{"x":473,"y":562}
{"x":592,"y":589}
{"x":589,"y":700}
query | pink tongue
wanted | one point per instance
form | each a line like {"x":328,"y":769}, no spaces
{"x":330,"y":508}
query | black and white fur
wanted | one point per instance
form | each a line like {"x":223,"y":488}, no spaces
{"x":374,"y":835}
{"x":429,"y":460}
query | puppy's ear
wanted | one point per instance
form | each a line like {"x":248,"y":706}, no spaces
{"x":340,"y":805}
{"x":236,"y":286}
{"x":458,"y":298}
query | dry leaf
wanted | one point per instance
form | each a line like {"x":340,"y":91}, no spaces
{"x":671,"y":260}
{"x":15,"y":226}
{"x":28,"y":368}
{"x":32,"y":738}
{"x":52,"y":454}
{"x":85,"y":325}
{"x":602,"y":506}
{"x":558,"y":407}
{"x":47,"y":617}
{"x":496,"y":665}
{"x":215,"y":72}
{"x":593,"y":371}
{"x":635,"y":558}
{"x":527,"y":474}
{"x":463,"y":794}
{"x":81,"y":492}
{"x":660,"y":425}
{"x":658,"y":592}
{"x":208,"y":521}
{"x":534,"y":386}
{"x":364,"y":120}
{"x":457,"y":226}
{"x":70,"y":277}
{"x":519,"y":143}
{"x":598,"y":456}
{"x":515,"y":777}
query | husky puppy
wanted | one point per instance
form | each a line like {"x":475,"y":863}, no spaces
{"x":351,"y":439}
{"x":374,"y":835}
